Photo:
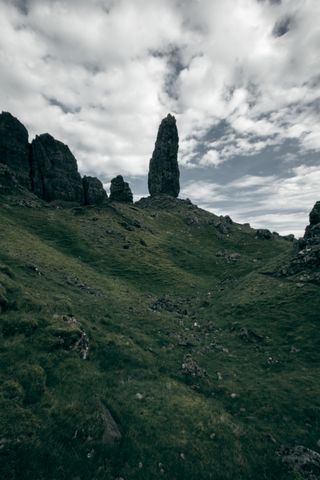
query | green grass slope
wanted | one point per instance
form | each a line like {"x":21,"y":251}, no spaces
{"x":206,"y":362}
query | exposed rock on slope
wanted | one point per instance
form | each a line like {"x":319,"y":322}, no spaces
{"x":54,"y":171}
{"x":94,"y":193}
{"x":14,"y":147}
{"x":120,"y":190}
{"x":163,"y":169}
{"x":306,"y":262}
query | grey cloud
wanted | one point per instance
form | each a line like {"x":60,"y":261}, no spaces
{"x":282,"y":26}
{"x":62,"y":106}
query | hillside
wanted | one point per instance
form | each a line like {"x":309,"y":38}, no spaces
{"x":149,"y":341}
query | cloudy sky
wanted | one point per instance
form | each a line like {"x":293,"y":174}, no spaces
{"x":242,"y":78}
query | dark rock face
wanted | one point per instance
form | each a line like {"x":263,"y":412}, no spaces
{"x":163,"y":168}
{"x":306,"y":261}
{"x":264,"y":234}
{"x":54,"y":171}
{"x":14,"y":148}
{"x":120,"y":191}
{"x":94,"y":193}
{"x":315,"y":214}
{"x":8,"y":180}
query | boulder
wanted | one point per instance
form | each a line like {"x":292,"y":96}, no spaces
{"x":120,"y":190}
{"x":164,"y":172}
{"x":54,"y":171}
{"x":14,"y":148}
{"x":94,"y":193}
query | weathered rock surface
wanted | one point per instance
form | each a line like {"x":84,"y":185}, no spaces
{"x":94,"y":193}
{"x":8,"y":180}
{"x":306,"y":261}
{"x":302,"y":460}
{"x":264,"y":234}
{"x":163,"y":168}
{"x":120,"y":190}
{"x":14,"y":147}
{"x":54,"y":171}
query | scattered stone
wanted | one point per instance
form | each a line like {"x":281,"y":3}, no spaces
{"x":234,"y":395}
{"x":169,"y":305}
{"x":54,"y":171}
{"x":120,"y":191}
{"x":302,"y":460}
{"x":249,"y":335}
{"x":293,"y":349}
{"x":71,"y":335}
{"x":164,"y":172}
{"x":191,"y":368}
{"x":182,"y":456}
{"x":229,"y":257}
{"x":94,"y":193}
{"x":14,"y":148}
{"x":139,"y":396}
{"x":111,"y":434}
{"x":212,"y":436}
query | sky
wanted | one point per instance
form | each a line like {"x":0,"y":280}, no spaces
{"x":242,"y":78}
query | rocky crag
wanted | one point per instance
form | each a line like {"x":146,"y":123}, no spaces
{"x":305,"y":263}
{"x":163,"y":169}
{"x":14,"y":148}
{"x":54,"y":170}
{"x":46,"y":167}
{"x":120,"y":190}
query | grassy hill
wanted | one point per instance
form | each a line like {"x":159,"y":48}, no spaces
{"x":143,"y":343}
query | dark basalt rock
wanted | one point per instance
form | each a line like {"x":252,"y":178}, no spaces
{"x":94,"y":193}
{"x":54,"y":171}
{"x":264,"y":234}
{"x":8,"y":181}
{"x":306,"y":258}
{"x":315,"y":214}
{"x":120,"y":190}
{"x":164,"y":172}
{"x":14,"y":148}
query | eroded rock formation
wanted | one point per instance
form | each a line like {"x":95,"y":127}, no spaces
{"x":14,"y":148}
{"x":120,"y":190}
{"x":94,"y":193}
{"x":54,"y":171}
{"x":163,"y":169}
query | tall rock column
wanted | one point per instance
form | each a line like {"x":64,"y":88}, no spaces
{"x":14,"y":148}
{"x":164,"y":172}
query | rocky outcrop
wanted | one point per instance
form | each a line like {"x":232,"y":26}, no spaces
{"x":120,"y":191}
{"x":54,"y":171}
{"x":302,"y":460}
{"x":94,"y":193}
{"x":164,"y":172}
{"x":14,"y":148}
{"x":306,"y":261}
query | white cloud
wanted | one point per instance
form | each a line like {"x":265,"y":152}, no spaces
{"x":281,"y":204}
